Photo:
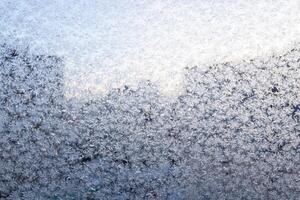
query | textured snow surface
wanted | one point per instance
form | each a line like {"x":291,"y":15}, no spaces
{"x":233,"y":133}
{"x":109,"y":43}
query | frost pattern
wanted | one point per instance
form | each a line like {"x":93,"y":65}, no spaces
{"x":110,"y":43}
{"x":232,"y":134}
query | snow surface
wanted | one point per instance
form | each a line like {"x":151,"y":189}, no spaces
{"x":110,"y":43}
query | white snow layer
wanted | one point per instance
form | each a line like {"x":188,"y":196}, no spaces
{"x":109,"y":43}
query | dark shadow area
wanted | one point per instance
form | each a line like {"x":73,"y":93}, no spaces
{"x":232,"y":134}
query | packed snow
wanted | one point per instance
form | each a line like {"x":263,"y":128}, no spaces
{"x":108,"y":44}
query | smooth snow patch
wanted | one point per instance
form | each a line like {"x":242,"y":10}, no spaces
{"x":107,"y":44}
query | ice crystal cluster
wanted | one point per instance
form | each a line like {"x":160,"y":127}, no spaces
{"x":234,"y":133}
{"x":109,"y":43}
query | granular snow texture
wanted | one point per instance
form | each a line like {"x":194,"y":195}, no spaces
{"x":234,"y":133}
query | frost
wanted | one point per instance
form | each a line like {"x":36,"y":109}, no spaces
{"x":233,"y":133}
{"x":107,"y":44}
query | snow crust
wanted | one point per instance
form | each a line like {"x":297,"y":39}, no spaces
{"x":107,"y":44}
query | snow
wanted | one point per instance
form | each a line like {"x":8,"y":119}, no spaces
{"x":108,"y":44}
